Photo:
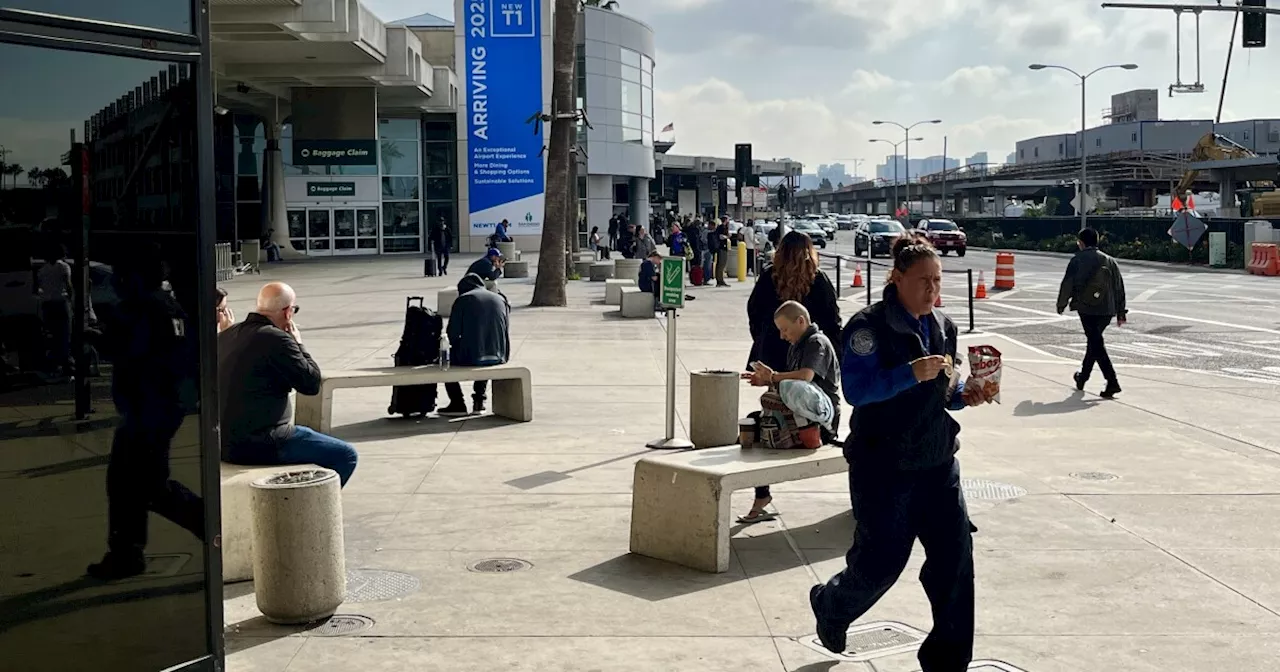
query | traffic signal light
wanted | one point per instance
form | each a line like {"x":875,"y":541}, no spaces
{"x":1254,"y":33}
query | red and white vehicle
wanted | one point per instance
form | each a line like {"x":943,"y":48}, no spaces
{"x":945,"y":235}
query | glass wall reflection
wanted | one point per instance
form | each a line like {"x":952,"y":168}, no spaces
{"x":101,"y":558}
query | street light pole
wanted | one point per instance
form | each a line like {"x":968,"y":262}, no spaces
{"x":1082,"y":192}
{"x":895,"y":146}
{"x":906,"y":137}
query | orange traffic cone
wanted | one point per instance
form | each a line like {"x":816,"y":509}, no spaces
{"x":981,"y":291}
{"x":857,"y":276}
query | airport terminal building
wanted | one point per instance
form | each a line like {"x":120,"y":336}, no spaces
{"x":338,"y":134}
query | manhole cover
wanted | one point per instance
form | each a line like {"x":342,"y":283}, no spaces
{"x":340,"y":625}
{"x":874,"y":640}
{"x":977,"y":488}
{"x":499,"y":565}
{"x":374,"y":585}
{"x":1094,"y":476}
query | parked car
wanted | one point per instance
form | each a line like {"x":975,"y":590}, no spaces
{"x":877,"y":236}
{"x":813,"y":230}
{"x":945,"y":235}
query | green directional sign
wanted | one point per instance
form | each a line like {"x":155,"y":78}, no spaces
{"x":672,"y":294}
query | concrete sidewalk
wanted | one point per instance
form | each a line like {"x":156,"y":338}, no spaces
{"x":1137,"y":534}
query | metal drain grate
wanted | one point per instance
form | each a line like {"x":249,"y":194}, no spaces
{"x":375,"y":585}
{"x":341,"y":625}
{"x":499,"y":565}
{"x":873,"y":640}
{"x":977,"y":488}
{"x":1094,"y":476}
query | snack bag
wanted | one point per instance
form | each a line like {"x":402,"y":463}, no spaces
{"x":984,"y":370}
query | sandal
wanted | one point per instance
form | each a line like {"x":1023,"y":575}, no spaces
{"x":756,"y":516}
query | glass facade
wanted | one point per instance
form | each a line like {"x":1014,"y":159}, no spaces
{"x":106,"y":328}
{"x":399,"y":156}
{"x":440,"y":170}
{"x":637,"y":98}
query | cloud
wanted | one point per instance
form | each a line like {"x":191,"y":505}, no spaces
{"x":979,"y":80}
{"x":869,"y":81}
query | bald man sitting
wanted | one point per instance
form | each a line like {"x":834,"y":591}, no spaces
{"x":260,"y":361}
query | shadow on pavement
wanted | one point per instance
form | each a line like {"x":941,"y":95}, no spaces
{"x":656,"y":580}
{"x":1073,"y":403}
{"x":399,"y":427}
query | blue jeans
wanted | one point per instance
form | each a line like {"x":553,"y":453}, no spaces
{"x":708,"y":262}
{"x":308,"y":446}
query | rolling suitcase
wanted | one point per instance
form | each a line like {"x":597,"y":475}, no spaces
{"x":695,"y":276}
{"x":429,"y":269}
{"x":419,"y":346}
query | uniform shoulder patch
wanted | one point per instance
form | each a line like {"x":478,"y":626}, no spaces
{"x":863,"y":342}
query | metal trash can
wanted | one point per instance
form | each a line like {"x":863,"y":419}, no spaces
{"x":299,"y":567}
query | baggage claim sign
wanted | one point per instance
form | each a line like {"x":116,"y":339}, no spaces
{"x":504,"y":88}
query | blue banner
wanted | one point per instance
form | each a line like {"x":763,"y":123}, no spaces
{"x":504,"y":89}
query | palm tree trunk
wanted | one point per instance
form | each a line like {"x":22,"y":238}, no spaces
{"x":548,"y":288}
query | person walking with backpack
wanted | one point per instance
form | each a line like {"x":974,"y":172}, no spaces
{"x":1093,"y":287}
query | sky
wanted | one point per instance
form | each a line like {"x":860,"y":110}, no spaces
{"x":804,"y":79}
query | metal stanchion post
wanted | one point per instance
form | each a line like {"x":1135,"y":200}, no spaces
{"x":971,"y":323}
{"x":868,"y":281}
{"x":839,"y":283}
{"x":670,"y":442}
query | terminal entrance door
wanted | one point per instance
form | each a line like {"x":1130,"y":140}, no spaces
{"x":324,"y":231}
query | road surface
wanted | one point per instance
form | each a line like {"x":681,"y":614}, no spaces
{"x":1222,"y":323}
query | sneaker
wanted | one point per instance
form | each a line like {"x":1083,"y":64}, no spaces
{"x":1113,"y":388}
{"x":833,"y":637}
{"x":477,"y":407}
{"x":1079,"y":381}
{"x":454,"y":410}
{"x":114,"y":566}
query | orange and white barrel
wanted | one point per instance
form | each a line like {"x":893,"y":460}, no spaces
{"x":1004,"y":270}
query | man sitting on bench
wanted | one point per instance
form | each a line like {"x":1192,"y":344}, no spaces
{"x":809,"y":389}
{"x":260,"y":361}
{"x":479,"y":335}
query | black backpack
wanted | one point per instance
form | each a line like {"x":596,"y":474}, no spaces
{"x":419,"y":346}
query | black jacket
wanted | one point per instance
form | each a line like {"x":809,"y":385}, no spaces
{"x":1090,"y":272}
{"x":912,"y":429}
{"x":767,"y":345}
{"x":258,"y":365}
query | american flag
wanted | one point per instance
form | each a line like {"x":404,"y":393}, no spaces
{"x":669,"y":128}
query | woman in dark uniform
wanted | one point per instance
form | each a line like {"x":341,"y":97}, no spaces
{"x":904,"y":479}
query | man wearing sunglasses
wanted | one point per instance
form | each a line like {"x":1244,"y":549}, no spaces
{"x":260,"y":361}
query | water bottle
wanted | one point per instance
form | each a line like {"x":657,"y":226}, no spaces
{"x":444,"y":352}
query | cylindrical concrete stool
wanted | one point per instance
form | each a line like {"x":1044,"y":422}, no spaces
{"x":731,"y":268}
{"x":299,"y":570}
{"x":508,"y":250}
{"x":627,"y":269}
{"x":713,"y":408}
{"x":583,"y":268}
{"x":601,"y":271}
{"x":515,"y":269}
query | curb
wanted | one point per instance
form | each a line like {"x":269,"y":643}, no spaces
{"x":1165,"y":265}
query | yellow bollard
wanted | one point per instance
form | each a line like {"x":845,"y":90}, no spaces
{"x":742,"y":262}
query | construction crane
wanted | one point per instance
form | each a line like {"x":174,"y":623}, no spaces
{"x":1263,"y":197}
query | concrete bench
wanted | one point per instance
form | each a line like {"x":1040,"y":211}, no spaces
{"x":237,"y":517}
{"x":583,"y":268}
{"x":636,"y":303}
{"x":445,"y":299}
{"x":613,"y":291}
{"x":601,"y":271}
{"x":515,"y":269}
{"x":512,"y":391}
{"x":680,"y":501}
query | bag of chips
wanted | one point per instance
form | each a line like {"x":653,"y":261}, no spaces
{"x":984,"y":370}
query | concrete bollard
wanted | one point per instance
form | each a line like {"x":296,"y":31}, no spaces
{"x":627,"y":269}
{"x":613,"y":291}
{"x":601,"y":271}
{"x":583,"y":268}
{"x":515,"y":269}
{"x":508,"y":250}
{"x":713,"y":408}
{"x":299,"y":567}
